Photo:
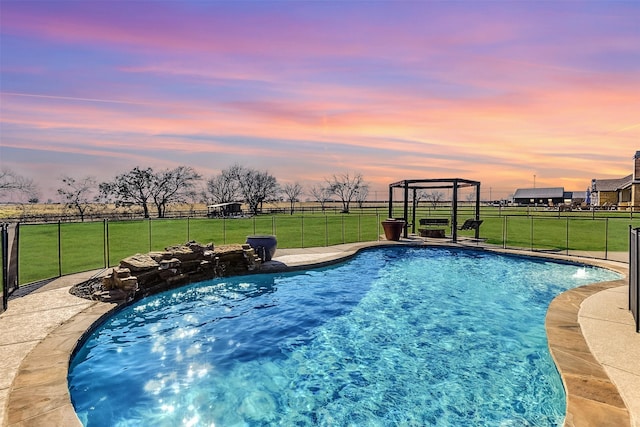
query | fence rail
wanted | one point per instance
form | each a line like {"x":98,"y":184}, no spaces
{"x":634,"y":278}
{"x":332,"y":207}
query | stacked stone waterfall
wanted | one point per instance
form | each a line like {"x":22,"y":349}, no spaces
{"x":145,"y":274}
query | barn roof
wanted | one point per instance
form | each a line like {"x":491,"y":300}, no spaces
{"x":577,"y":195}
{"x":613,"y":184}
{"x":539,"y":193}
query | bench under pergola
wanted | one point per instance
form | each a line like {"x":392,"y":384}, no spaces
{"x":413,"y":185}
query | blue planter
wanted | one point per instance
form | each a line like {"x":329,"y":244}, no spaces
{"x":264,"y":245}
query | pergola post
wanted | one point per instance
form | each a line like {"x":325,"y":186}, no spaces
{"x":406,"y":209}
{"x":413,"y":212}
{"x":454,"y":217}
{"x":477,"y":234}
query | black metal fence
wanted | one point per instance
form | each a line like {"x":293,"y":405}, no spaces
{"x":634,"y":278}
{"x":3,"y":255}
{"x":33,"y":253}
{"x":55,"y":249}
{"x":9,"y":255}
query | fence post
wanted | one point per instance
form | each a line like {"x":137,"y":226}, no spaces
{"x":634,"y":279}
{"x":104,"y":243}
{"x":504,"y":231}
{"x":606,"y":238}
{"x":224,"y":231}
{"x":326,"y":230}
{"x":636,"y":283}
{"x":567,"y":245}
{"x":188,"y":230}
{"x":5,"y":265}
{"x":59,"y":250}
{"x":531,"y":234}
{"x":149,"y":219}
{"x":302,"y":231}
{"x":108,"y":249}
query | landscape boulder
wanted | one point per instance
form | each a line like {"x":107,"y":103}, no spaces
{"x":144,"y":274}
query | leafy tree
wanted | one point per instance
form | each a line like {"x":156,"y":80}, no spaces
{"x":256,"y":187}
{"x":346,"y":187}
{"x":133,"y":187}
{"x":173,"y":186}
{"x":292,"y":193}
{"x":321,"y":194}
{"x":13,"y":183}
{"x":77,"y":194}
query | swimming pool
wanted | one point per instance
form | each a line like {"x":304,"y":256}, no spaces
{"x":395,"y":336}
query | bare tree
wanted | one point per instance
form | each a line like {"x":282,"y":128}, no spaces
{"x":144,"y":186}
{"x":435,"y":197}
{"x":76,"y":194}
{"x":292,"y":193}
{"x":420,"y":195}
{"x":321,"y":194}
{"x":133,"y":187}
{"x":346,"y":187}
{"x":256,"y":186}
{"x":173,"y":186}
{"x":13,"y":183}
{"x":362,"y":194}
{"x":223,"y":188}
{"x":471,"y":197}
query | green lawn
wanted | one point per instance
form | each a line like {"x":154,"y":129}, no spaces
{"x":48,"y":250}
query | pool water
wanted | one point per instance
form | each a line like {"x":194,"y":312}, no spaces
{"x":393,"y":337}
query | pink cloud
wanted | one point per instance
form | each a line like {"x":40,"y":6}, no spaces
{"x":412,"y":89}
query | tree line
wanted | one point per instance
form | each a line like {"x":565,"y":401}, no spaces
{"x":155,"y":190}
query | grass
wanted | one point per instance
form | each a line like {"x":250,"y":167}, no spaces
{"x":49,"y":250}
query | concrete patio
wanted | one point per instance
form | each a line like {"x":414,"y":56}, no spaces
{"x":590,"y":330}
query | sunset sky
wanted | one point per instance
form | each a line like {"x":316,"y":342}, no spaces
{"x":491,"y":91}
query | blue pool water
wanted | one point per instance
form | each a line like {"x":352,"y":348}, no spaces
{"x":395,"y":336}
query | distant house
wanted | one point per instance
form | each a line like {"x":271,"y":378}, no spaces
{"x":620,"y":193}
{"x":539,"y":196}
{"x":611,"y":192}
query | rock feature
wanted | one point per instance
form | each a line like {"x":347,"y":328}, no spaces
{"x":139,"y":262}
{"x":145,"y":274}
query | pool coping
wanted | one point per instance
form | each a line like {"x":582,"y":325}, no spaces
{"x":39,"y":394}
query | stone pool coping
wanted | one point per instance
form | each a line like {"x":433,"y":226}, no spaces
{"x":41,"y":330}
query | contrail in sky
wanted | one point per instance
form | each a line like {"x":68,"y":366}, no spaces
{"x":71,"y":98}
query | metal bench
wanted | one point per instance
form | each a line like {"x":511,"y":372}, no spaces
{"x":432,"y":227}
{"x":471,"y":224}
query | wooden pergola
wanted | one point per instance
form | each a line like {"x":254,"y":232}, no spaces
{"x":414,"y":185}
